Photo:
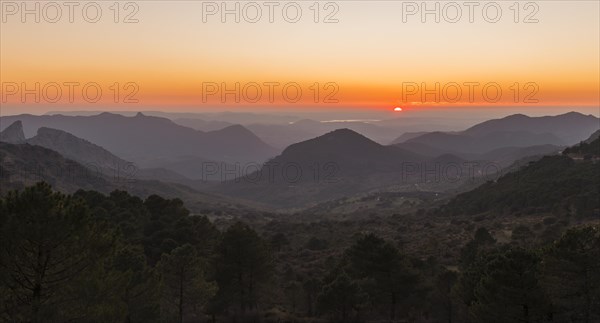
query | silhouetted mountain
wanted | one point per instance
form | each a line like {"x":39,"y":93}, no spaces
{"x":225,"y":116}
{"x":593,"y":137}
{"x":553,"y":184}
{"x":13,"y":134}
{"x":141,"y":137}
{"x":233,"y":133}
{"x":26,"y":164}
{"x":77,"y":149}
{"x":339,"y":163}
{"x":202,"y":125}
{"x":503,"y":157}
{"x":344,"y":163}
{"x":570,"y":127}
{"x":560,"y":185}
{"x":301,"y":130}
{"x":281,"y":134}
{"x":353,"y":152}
{"x":512,"y":131}
{"x":588,"y":149}
{"x":97,"y":158}
{"x":478,"y":144}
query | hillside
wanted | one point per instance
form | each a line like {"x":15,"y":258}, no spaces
{"x":77,"y":149}
{"x":25,"y":164}
{"x":587,"y":149}
{"x":554,"y":184}
{"x":97,"y":158}
{"x":353,"y":152}
{"x":593,"y":137}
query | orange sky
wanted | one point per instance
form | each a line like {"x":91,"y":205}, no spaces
{"x":370,"y":58}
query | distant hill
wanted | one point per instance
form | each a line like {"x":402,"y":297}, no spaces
{"x":587,"y":149}
{"x":202,"y":125}
{"x":570,"y":127}
{"x":13,"y":134}
{"x":140,"y":137}
{"x":512,"y":131}
{"x":552,"y":185}
{"x":503,"y":156}
{"x":26,"y":164}
{"x":97,"y":158}
{"x":344,"y":163}
{"x":593,"y":137}
{"x":301,"y":130}
{"x":478,"y":144}
{"x":337,"y":164}
{"x":77,"y":149}
{"x":353,"y":152}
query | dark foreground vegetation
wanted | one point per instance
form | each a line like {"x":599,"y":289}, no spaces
{"x":88,"y":257}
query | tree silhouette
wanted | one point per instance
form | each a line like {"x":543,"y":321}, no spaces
{"x":49,"y":245}
{"x":185,"y":287}
{"x":389,"y":275}
{"x":509,"y":288}
{"x":244,"y":263}
{"x":141,"y":285}
{"x":571,"y":267}
{"x":340,"y":298}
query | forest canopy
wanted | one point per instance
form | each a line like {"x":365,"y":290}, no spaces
{"x":89,"y":257}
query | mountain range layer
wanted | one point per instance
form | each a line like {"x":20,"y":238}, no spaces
{"x":236,"y":163}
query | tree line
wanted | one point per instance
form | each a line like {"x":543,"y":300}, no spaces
{"x":89,"y":257}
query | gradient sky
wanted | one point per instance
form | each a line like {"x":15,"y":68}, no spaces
{"x":369,"y":53}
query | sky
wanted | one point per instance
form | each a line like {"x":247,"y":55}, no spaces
{"x":532,"y":57}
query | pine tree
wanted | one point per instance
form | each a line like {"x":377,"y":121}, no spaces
{"x":52,"y":252}
{"x":141,"y":285}
{"x":571,"y":266}
{"x":388,"y":275}
{"x":244,"y":265}
{"x":340,"y":298}
{"x":184,"y":285}
{"x":509,"y":289}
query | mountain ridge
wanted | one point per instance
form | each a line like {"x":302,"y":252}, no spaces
{"x":564,"y":129}
{"x":13,"y":133}
{"x":138,"y":137}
